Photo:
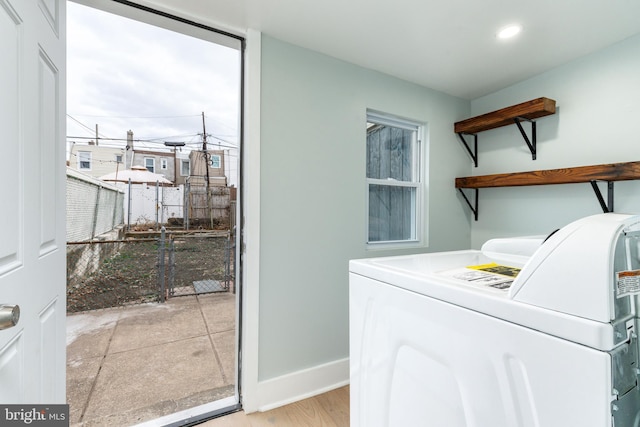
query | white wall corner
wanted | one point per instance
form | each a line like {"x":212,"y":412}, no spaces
{"x":300,"y":385}
{"x":250,"y":193}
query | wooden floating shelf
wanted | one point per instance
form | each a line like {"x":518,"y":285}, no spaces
{"x":515,"y":114}
{"x":607,"y":172}
{"x":529,"y":110}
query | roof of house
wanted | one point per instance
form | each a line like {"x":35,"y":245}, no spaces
{"x":138,"y":175}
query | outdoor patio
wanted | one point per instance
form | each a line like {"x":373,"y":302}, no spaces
{"x":131,"y":364}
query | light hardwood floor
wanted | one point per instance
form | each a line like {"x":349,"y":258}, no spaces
{"x":326,"y":410}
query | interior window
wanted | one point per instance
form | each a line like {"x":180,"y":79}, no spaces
{"x":393,"y":180}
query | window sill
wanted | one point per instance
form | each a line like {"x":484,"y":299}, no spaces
{"x":395,"y":245}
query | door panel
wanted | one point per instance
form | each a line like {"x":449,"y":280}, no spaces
{"x":32,"y":169}
{"x":47,"y":102}
{"x":10,"y":258}
{"x":11,"y":370}
{"x":48,"y":335}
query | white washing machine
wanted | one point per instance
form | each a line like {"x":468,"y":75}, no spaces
{"x":521,"y":333}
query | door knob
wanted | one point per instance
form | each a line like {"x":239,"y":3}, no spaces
{"x":9,"y":316}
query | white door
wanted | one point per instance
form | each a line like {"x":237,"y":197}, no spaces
{"x":32,"y":200}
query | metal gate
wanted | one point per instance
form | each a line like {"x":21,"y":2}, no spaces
{"x":195,"y":263}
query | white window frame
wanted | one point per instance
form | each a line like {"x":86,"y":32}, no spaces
{"x":182,"y":163}
{"x":146,"y":159}
{"x":88,"y":159}
{"x":164,"y":164}
{"x":418,"y":209}
{"x":218,"y":161}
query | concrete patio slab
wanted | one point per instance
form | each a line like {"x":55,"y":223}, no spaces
{"x":157,"y":324}
{"x":225,"y":345}
{"x":137,"y":363}
{"x":138,"y":378}
{"x":81,"y":375}
{"x":88,"y":334}
{"x":219,"y":311}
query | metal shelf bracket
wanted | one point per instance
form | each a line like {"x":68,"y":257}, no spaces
{"x":474,"y":206}
{"x":606,"y":207}
{"x":531,"y":143}
{"x":474,"y":153}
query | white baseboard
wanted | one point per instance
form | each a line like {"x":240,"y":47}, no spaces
{"x":303,"y":384}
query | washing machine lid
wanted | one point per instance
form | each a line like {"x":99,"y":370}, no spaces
{"x":523,"y":246}
{"x":588,"y":268}
{"x":434,"y":276}
{"x":576,"y":285}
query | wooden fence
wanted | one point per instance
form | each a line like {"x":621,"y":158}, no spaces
{"x":208,"y":212}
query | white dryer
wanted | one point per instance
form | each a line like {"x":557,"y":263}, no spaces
{"x":521,"y":333}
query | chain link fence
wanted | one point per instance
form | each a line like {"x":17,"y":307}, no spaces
{"x":112,"y":273}
{"x":195,"y":264}
{"x":93,"y":207}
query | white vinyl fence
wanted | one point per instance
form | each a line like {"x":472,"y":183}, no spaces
{"x":151,"y":205}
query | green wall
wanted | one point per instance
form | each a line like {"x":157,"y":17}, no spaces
{"x":597,"y":112}
{"x":312,"y":190}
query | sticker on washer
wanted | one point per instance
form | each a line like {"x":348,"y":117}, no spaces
{"x":492,"y":267}
{"x":492,"y":275}
{"x":627,"y":283}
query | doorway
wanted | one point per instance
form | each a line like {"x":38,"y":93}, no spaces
{"x":153,"y":323}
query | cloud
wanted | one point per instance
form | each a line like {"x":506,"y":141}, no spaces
{"x":124,"y":74}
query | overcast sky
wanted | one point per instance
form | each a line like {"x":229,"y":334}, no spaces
{"x":123,"y":74}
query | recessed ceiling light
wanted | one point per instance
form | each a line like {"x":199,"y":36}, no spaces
{"x":508,"y":32}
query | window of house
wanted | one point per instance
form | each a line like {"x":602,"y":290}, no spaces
{"x":163,"y":164}
{"x":118,"y":158}
{"x":150,"y":164}
{"x":215,"y":161}
{"x":184,"y":168}
{"x":84,"y":160}
{"x":393,"y":181}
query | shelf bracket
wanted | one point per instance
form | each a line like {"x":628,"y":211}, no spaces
{"x":606,"y":207}
{"x":531,"y":143}
{"x":474,"y":153}
{"x":474,"y":206}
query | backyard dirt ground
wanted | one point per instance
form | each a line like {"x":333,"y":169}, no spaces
{"x":130,"y":276}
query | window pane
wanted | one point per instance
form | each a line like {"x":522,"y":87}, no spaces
{"x":391,"y":211}
{"x":84,"y":158}
{"x":184,"y":168}
{"x":149,"y":164}
{"x":389,"y":152}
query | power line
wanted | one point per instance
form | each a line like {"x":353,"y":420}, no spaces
{"x":221,"y":143}
{"x":138,"y":117}
{"x":93,"y":131}
{"x":159,"y":141}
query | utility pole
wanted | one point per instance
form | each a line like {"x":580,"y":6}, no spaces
{"x":96,"y":134}
{"x":206,"y":167}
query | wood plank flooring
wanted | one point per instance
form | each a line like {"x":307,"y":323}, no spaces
{"x":330,"y":409}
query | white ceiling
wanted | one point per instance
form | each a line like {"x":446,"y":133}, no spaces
{"x":447,"y":45}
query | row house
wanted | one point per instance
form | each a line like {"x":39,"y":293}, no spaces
{"x":95,"y":160}
{"x":176,"y":166}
